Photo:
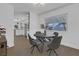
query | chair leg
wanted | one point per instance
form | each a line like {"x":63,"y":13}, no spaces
{"x":38,"y":48}
{"x":41,"y":48}
{"x":50,"y":52}
{"x":55,"y":52}
{"x":32,"y":49}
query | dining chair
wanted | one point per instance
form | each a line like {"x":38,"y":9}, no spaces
{"x":40,"y":37}
{"x":54,"y":45}
{"x":38,"y":32}
{"x":34,"y":43}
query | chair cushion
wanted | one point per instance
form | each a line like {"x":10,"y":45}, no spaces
{"x":32,"y":36}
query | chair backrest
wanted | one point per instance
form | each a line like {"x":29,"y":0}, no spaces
{"x":38,"y":32}
{"x":31,"y":40}
{"x":55,"y":43}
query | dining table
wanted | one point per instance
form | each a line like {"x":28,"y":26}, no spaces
{"x":44,"y":39}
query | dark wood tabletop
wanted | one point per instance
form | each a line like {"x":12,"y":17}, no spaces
{"x":3,"y":46}
{"x":2,"y":39}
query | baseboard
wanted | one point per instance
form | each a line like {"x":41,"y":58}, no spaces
{"x":70,"y":46}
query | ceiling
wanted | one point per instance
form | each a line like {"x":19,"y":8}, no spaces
{"x":26,"y":7}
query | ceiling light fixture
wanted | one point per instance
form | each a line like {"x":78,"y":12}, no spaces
{"x":39,"y":4}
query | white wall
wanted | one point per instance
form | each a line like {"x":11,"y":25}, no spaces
{"x":34,"y":24}
{"x":71,"y":36}
{"x":6,"y":19}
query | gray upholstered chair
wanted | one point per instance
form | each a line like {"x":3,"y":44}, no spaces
{"x":38,"y":32}
{"x":34,"y":43}
{"x":54,"y":45}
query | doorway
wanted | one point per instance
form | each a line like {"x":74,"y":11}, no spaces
{"x":21,"y":25}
